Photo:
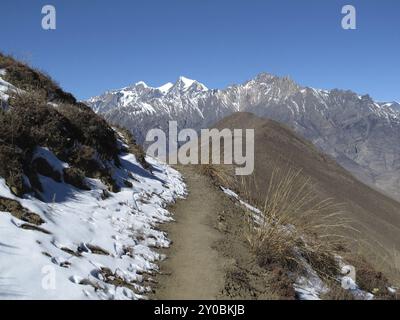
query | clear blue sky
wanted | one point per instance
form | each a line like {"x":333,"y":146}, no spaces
{"x":101,"y":45}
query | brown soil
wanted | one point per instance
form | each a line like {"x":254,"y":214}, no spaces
{"x":194,"y":269}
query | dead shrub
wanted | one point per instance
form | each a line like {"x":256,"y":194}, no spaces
{"x":83,"y":157}
{"x":92,"y":129}
{"x":27,"y":99}
{"x":30,"y":123}
{"x":111,"y":184}
{"x":75,"y":177}
{"x":12,"y":167}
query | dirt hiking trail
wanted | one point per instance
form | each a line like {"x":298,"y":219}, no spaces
{"x":193,"y":269}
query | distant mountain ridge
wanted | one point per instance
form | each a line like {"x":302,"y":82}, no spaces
{"x":360,"y":133}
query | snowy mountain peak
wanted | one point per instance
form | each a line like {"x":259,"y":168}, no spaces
{"x":393,"y":105}
{"x":186,"y":82}
{"x":264,"y":76}
{"x":142,"y":84}
{"x":183,"y":84}
{"x":166,"y":87}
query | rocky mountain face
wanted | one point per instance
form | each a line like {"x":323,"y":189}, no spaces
{"x":361,"y":134}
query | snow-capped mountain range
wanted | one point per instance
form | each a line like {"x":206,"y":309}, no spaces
{"x":361,"y":134}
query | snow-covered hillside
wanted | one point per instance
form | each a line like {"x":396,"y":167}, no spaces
{"x":89,"y":246}
{"x":84,"y":227}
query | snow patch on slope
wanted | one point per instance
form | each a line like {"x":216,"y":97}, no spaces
{"x":67,"y":263}
{"x":4,"y":86}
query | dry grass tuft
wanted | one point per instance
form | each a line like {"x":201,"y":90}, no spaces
{"x":75,"y":177}
{"x":336,"y":292}
{"x":295,"y":225}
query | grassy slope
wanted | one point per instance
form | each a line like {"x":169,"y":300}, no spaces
{"x":375,"y":216}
